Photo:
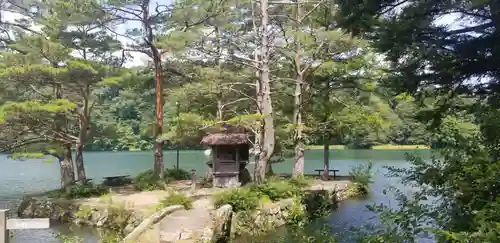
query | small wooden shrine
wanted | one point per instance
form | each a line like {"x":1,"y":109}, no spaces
{"x":229,"y":155}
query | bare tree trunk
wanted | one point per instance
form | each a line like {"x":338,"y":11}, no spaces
{"x":326,"y":161}
{"x":158,"y":166}
{"x":298,"y":168}
{"x":327,"y":138}
{"x":220,"y":105}
{"x":65,"y":161}
{"x":80,"y":167}
{"x":84,"y":123}
{"x":66,"y":165}
{"x":264,"y":94}
{"x":219,"y":110}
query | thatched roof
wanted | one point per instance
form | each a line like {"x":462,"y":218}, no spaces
{"x":225,"y":139}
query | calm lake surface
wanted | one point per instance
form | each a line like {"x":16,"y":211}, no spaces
{"x":31,"y":176}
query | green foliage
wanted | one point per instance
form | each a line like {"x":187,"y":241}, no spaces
{"x":308,"y":235}
{"x":300,"y":181}
{"x":176,"y":174}
{"x":121,"y":181}
{"x":297,"y":215}
{"x":186,"y":129}
{"x":241,"y":199}
{"x":318,"y":204}
{"x":69,"y":238}
{"x":312,"y":233}
{"x":249,"y":197}
{"x":276,"y":189}
{"x":177,"y":198}
{"x":79,"y":191}
{"x":462,"y":181}
{"x":362,"y":177}
{"x":147,"y":181}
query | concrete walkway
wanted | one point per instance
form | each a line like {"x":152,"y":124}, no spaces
{"x":187,"y":225}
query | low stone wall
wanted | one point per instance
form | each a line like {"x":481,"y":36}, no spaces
{"x":228,"y":224}
{"x":104,"y":215}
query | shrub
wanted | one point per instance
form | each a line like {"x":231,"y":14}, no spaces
{"x":241,"y":199}
{"x":121,"y":181}
{"x":79,"y":191}
{"x":318,"y":204}
{"x":362,"y":176}
{"x":297,"y":214}
{"x":248,"y":198}
{"x":177,"y":198}
{"x":300,"y":181}
{"x":276,"y":190}
{"x":206,"y":182}
{"x":147,"y":181}
{"x":176,"y":174}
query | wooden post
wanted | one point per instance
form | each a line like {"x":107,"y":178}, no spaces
{"x":16,"y":224}
{"x":193,"y":180}
{"x":4,"y":232}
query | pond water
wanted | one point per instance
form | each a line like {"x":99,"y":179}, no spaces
{"x":31,"y":176}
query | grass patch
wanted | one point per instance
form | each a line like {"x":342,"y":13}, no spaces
{"x":177,"y":198}
{"x":399,"y":147}
{"x":318,"y":147}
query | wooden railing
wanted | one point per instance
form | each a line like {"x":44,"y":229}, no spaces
{"x":14,"y":224}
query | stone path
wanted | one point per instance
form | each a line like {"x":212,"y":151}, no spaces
{"x":187,"y":225}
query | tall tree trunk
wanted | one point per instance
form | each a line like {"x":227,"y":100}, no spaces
{"x":327,"y":137}
{"x":65,"y":162}
{"x":80,"y":168}
{"x":326,"y":161}
{"x":258,"y":134}
{"x":298,"y":167}
{"x":66,"y":166}
{"x":220,"y":105}
{"x":84,"y":123}
{"x":158,"y":166}
{"x":264,"y":97}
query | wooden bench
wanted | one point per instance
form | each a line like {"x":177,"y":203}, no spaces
{"x":117,"y":180}
{"x":321,"y":170}
{"x":86,"y":181}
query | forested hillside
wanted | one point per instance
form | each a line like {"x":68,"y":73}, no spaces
{"x":207,"y":73}
{"x":142,"y":75}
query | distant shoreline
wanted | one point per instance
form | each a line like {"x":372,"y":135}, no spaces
{"x":307,"y":147}
{"x":375,"y":147}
